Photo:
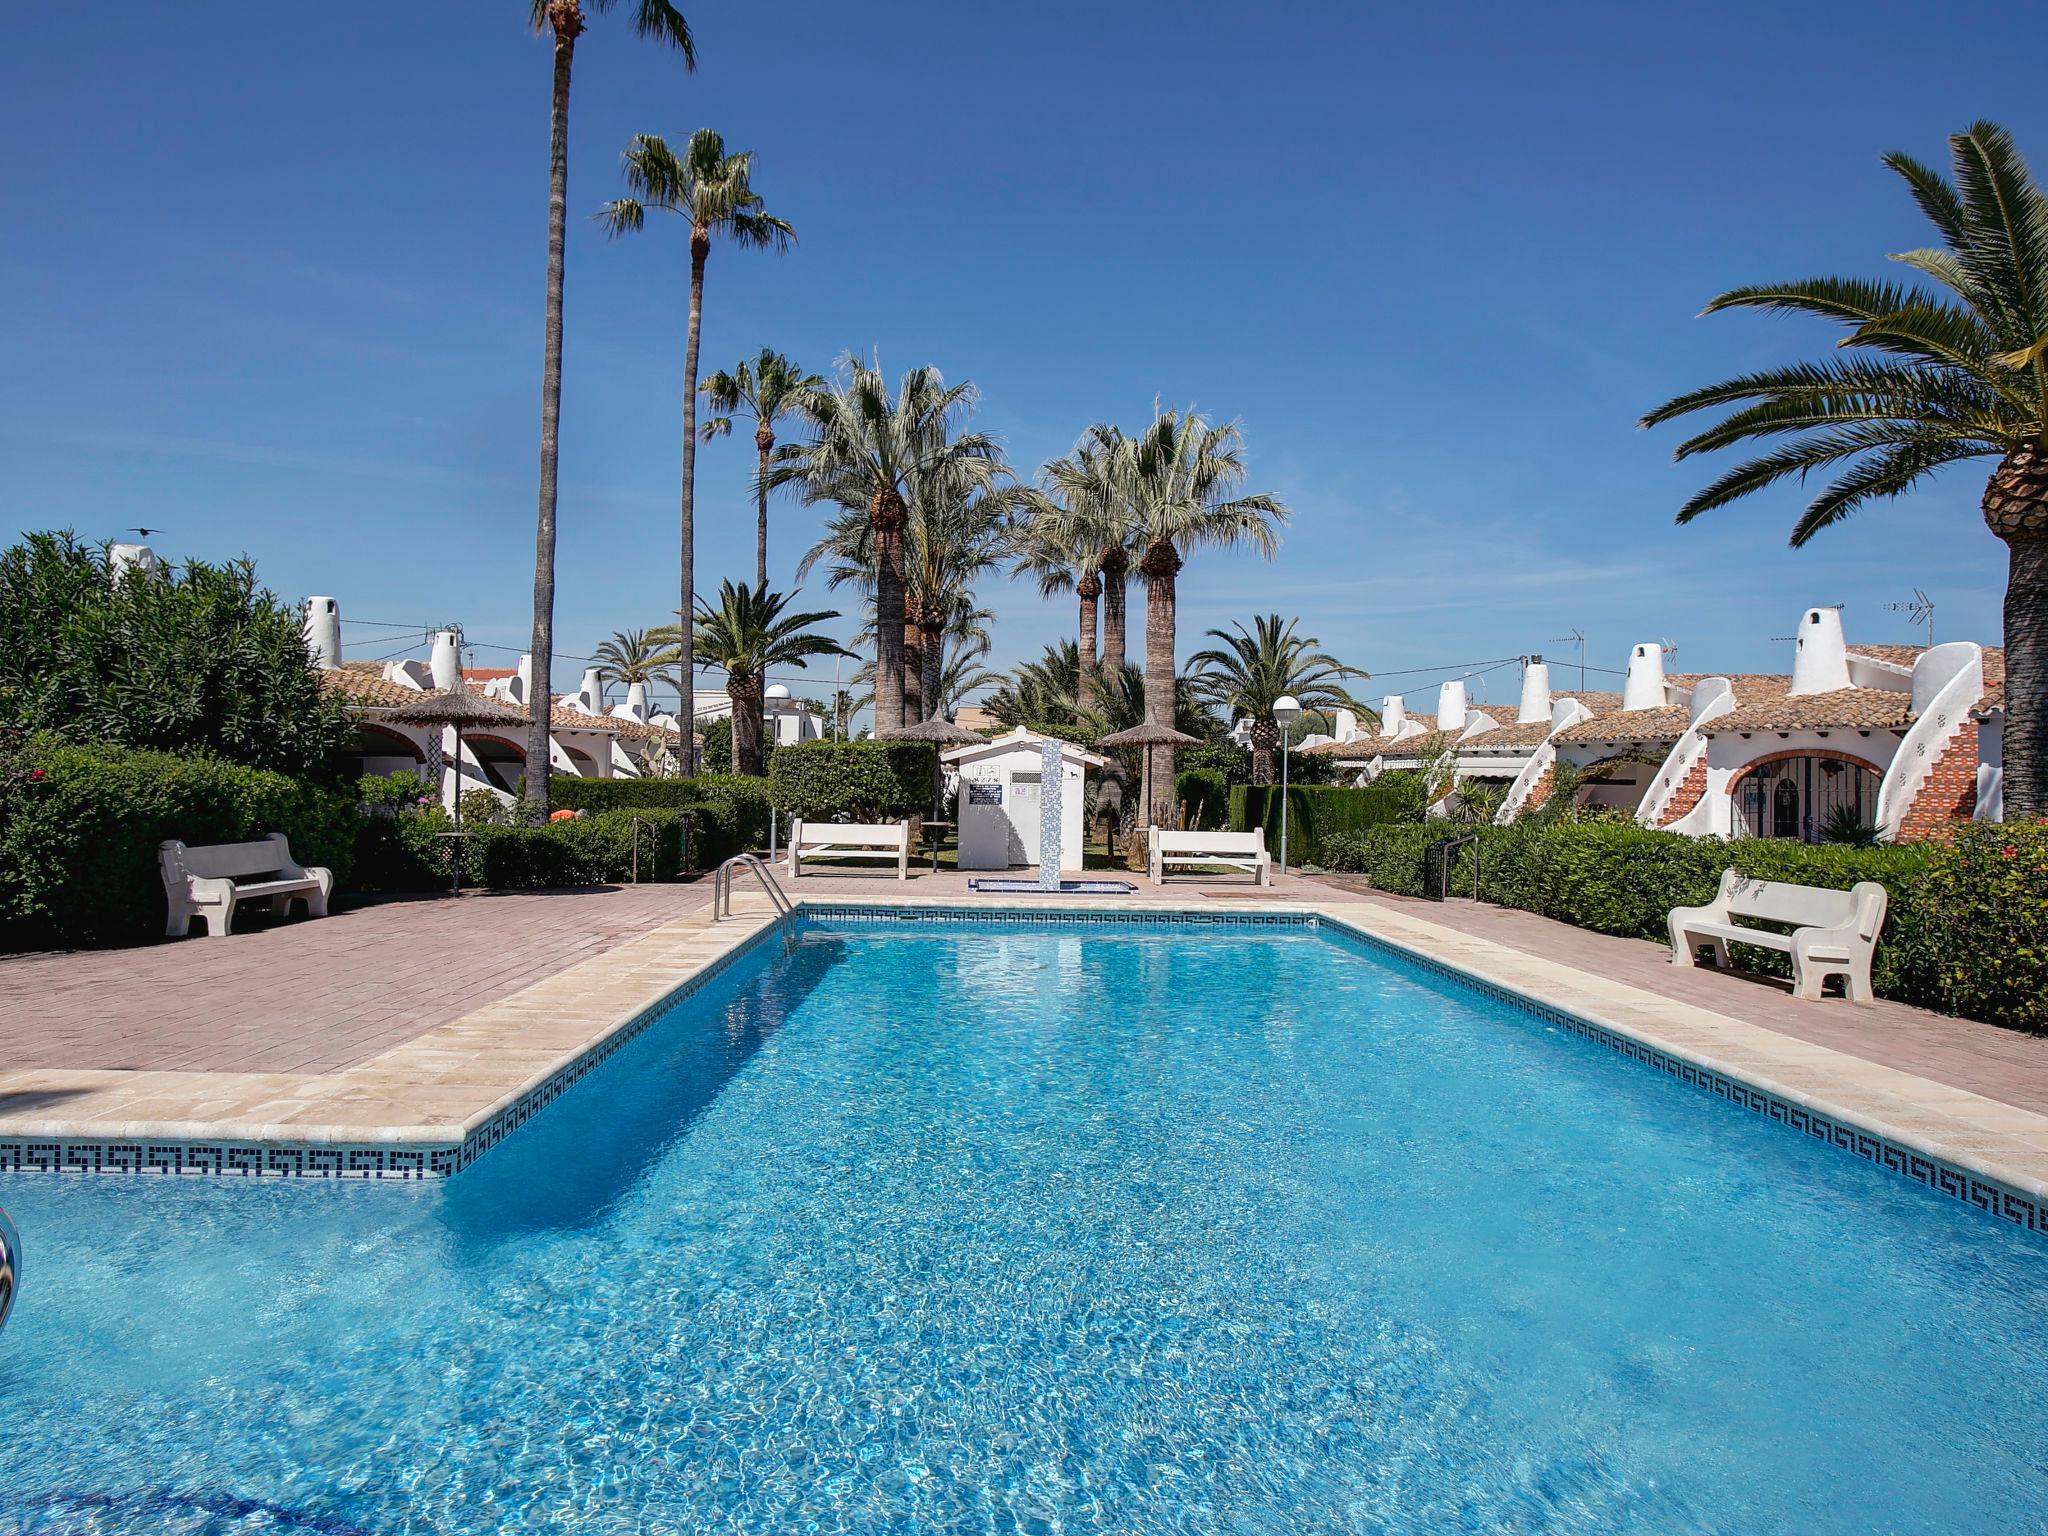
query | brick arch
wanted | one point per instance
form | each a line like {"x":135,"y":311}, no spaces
{"x":396,"y":738}
{"x":1779,"y":757}
{"x":471,"y":738}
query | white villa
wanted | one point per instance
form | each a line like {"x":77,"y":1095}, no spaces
{"x":588,"y":737}
{"x":1908,"y":737}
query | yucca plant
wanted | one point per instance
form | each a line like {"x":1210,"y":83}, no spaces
{"x":1931,"y":378}
{"x":714,"y":192}
{"x":564,"y":20}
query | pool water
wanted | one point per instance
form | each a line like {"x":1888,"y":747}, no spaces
{"x":1014,"y":1227}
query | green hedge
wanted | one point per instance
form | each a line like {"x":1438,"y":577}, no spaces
{"x":1966,"y":931}
{"x":1205,"y":795}
{"x":592,"y":849}
{"x":729,"y":813}
{"x":869,"y":781}
{"x":80,"y":825}
{"x":1319,"y":813}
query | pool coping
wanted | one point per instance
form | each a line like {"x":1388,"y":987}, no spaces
{"x":431,"y":1106}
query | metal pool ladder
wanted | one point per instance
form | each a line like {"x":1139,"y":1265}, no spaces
{"x":721,"y":895}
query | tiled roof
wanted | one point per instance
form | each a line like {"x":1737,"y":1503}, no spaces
{"x":1897,"y":655}
{"x":364,"y":682}
{"x":1846,"y":708}
{"x":487,"y":674}
{"x":1994,"y":678}
{"x":1669,"y":722}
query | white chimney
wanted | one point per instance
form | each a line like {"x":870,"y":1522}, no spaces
{"x":445,"y":662}
{"x":1535,"y":692}
{"x":1393,"y":715}
{"x":323,"y":632}
{"x":1644,"y":688}
{"x":590,"y":692}
{"x":1450,"y":706}
{"x":1347,"y":725}
{"x":1820,"y":661}
{"x":123,"y":558}
{"x":522,"y":680}
{"x":636,"y":701}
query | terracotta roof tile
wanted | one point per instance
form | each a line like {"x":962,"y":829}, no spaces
{"x":364,"y":682}
{"x":1846,"y":708}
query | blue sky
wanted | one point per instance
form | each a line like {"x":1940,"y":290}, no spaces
{"x":273,"y":283}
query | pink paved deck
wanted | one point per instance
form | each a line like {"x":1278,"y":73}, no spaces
{"x":2001,"y":1064}
{"x":310,"y":996}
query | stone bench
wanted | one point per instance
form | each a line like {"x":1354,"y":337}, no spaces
{"x":209,"y":882}
{"x":818,"y":840}
{"x":1233,"y":850}
{"x":1834,"y":932}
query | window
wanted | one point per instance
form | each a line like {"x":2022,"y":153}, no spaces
{"x":1796,"y":797}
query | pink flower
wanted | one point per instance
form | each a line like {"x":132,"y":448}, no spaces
{"x":2011,"y":852}
{"x":35,"y":775}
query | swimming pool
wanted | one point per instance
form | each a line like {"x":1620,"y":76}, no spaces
{"x":1026,"y":1227}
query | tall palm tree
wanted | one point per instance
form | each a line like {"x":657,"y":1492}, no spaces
{"x":764,"y":389}
{"x":1094,"y":495}
{"x":564,"y":20}
{"x":1946,"y":377}
{"x":1177,"y":478}
{"x":1048,"y":550}
{"x":639,"y":656}
{"x":868,"y":453}
{"x":962,"y":671}
{"x":961,"y":527}
{"x":714,"y":192}
{"x":1254,"y":668}
{"x":747,"y":632}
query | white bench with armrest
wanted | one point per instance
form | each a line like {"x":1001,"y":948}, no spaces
{"x":209,"y":882}
{"x":1233,"y":850}
{"x":1834,"y":932}
{"x":816,"y":840}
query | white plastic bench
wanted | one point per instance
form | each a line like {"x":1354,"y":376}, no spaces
{"x":1835,"y":935}
{"x":1235,"y":850}
{"x":815,"y":840}
{"x":210,"y":882}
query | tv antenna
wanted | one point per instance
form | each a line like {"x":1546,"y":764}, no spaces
{"x":1576,"y":637}
{"x":1919,"y":610}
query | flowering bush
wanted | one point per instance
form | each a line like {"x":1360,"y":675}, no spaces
{"x":1985,"y":902}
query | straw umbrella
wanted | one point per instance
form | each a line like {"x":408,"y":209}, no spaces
{"x":1148,"y":734}
{"x":459,"y":708}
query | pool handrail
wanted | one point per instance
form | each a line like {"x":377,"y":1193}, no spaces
{"x":721,"y":895}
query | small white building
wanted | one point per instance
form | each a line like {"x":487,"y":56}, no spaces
{"x":1002,"y":799}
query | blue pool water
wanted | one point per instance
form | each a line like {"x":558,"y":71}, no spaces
{"x":937,"y":1228}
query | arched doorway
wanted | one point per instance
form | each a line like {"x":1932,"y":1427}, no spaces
{"x":379,"y":751}
{"x":1799,"y":795}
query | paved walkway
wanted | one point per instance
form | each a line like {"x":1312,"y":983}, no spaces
{"x":311,"y":996}
{"x":2001,"y":1064}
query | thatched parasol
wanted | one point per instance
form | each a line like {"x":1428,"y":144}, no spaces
{"x":944,"y":732}
{"x":460,"y":708}
{"x":1148,"y":734}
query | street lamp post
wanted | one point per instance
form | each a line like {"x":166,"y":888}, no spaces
{"x":1286,"y":710}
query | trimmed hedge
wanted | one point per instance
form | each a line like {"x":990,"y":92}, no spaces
{"x":729,"y":813}
{"x":593,"y":849}
{"x":80,"y":825}
{"x":1205,"y":795}
{"x":1317,"y":813}
{"x":1966,"y":931}
{"x":869,"y":781}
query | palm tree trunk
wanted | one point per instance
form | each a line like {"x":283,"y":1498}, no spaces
{"x":2016,"y":509}
{"x":934,"y":670}
{"x":913,"y":663}
{"x":1088,"y":589}
{"x":1265,"y":736}
{"x":2026,"y":681}
{"x":566,"y":25}
{"x":886,"y":515}
{"x":764,"y":444}
{"x":686,"y":651}
{"x":1160,"y":567}
{"x":747,"y":723}
{"x":1114,"y":566}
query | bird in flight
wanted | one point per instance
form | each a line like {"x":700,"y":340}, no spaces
{"x":145,"y":532}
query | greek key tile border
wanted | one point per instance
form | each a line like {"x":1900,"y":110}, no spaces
{"x":401,"y":1163}
{"x":836,"y":914}
{"x":1943,"y":1178}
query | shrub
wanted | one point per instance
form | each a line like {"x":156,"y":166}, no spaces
{"x":192,"y":659}
{"x":481,"y":807}
{"x":80,"y":825}
{"x":1204,"y":794}
{"x":401,"y":851}
{"x":728,"y":813}
{"x":394,"y":792}
{"x":868,"y":781}
{"x":1227,"y":758}
{"x":1317,"y":812}
{"x":592,"y":849}
{"x":1984,"y":914}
